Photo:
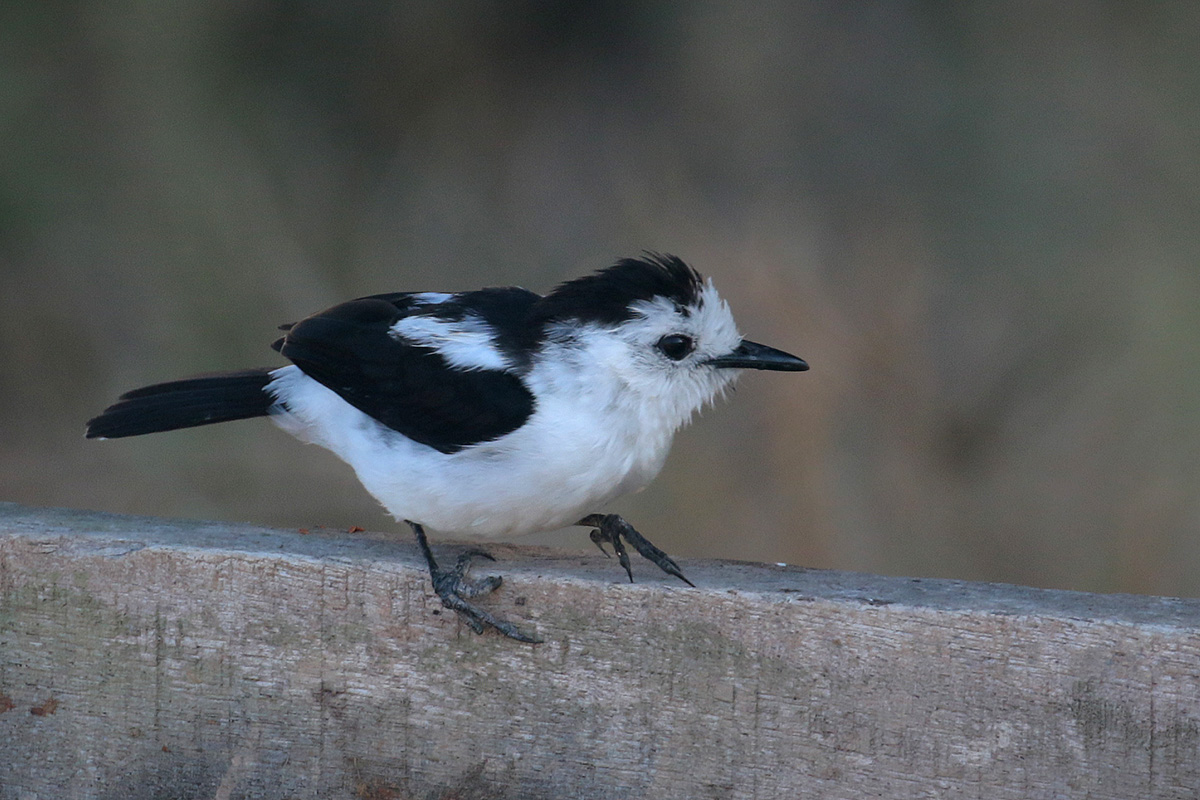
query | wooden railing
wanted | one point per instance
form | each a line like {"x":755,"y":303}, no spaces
{"x":165,"y":658}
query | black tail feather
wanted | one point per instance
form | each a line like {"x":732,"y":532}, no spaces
{"x":185,"y":403}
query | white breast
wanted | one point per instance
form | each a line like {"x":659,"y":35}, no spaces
{"x":585,"y":444}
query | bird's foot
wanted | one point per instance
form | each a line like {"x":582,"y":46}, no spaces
{"x":611,"y":529}
{"x":453,"y":589}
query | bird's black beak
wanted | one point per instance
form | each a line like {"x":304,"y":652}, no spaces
{"x":752,"y":355}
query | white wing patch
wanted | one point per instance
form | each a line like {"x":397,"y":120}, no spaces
{"x":467,"y":343}
{"x":431,"y":298}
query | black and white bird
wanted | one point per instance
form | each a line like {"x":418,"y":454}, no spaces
{"x":490,"y":413}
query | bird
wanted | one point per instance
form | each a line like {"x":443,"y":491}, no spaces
{"x":493,"y":412}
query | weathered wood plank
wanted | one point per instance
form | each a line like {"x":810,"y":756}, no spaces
{"x":153,"y":658}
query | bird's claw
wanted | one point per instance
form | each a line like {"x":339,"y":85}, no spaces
{"x":611,"y":529}
{"x":602,"y":536}
{"x":457,"y":577}
{"x":453,"y":589}
{"x":598,"y":539}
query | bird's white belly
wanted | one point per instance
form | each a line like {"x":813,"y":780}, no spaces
{"x":536,"y":478}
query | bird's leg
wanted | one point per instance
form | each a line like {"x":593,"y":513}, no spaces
{"x":453,"y":589}
{"x":611,"y":529}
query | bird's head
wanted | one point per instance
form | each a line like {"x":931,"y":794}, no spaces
{"x":659,"y":328}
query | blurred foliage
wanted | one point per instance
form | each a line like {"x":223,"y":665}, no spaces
{"x":977,"y":221}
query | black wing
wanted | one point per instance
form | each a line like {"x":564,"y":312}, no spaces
{"x":409,"y":388}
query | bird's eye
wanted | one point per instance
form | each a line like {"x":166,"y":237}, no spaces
{"x":675,"y":346}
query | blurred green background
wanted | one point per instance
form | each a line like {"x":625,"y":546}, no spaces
{"x":977,"y":221}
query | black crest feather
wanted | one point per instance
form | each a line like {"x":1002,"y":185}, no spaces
{"x":605,"y":296}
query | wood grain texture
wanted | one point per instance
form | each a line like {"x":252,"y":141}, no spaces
{"x":148,"y":658}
